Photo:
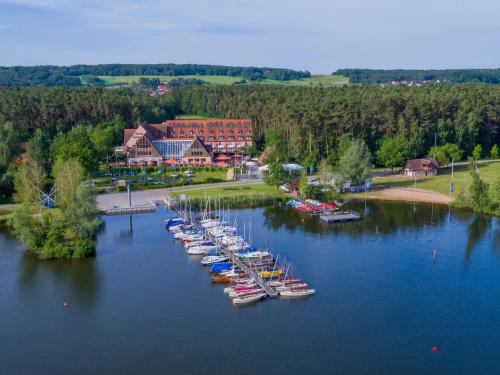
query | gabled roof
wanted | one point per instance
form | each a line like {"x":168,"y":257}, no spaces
{"x":127,"y":134}
{"x":421,"y":164}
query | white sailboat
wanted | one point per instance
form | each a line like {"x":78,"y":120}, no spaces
{"x":297,"y":293}
{"x":245,"y":300}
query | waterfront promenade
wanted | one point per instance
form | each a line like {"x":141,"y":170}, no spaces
{"x":150,"y":197}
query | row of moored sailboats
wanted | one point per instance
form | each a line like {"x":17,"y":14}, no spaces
{"x":252,"y":275}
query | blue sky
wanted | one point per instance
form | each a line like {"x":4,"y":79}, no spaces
{"x":317,"y":35}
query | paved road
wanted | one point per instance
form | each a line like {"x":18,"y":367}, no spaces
{"x":147,"y":197}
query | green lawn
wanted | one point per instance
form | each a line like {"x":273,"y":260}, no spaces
{"x":5,"y":212}
{"x":155,"y":179}
{"x":489,"y":172}
{"x":325,"y":80}
{"x":231,"y":191}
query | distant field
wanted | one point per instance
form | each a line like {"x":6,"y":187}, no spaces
{"x":325,"y":80}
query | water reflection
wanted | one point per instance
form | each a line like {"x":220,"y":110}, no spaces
{"x":383,"y":218}
{"x":476,"y":231}
{"x":80,"y":278}
{"x":378,"y":218}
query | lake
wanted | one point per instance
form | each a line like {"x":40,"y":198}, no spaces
{"x":142,"y":306}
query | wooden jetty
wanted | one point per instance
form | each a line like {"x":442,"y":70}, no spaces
{"x":129,"y":210}
{"x":271,"y":292}
{"x":336,"y":217}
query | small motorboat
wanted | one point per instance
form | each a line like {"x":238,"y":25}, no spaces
{"x":245,"y":300}
{"x":202,"y":250}
{"x":212,"y":259}
{"x":220,"y":279}
{"x":187,"y":245}
{"x":253,"y":255}
{"x":297,"y":293}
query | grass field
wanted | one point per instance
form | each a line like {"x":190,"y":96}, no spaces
{"x":231,"y":191}
{"x":489,"y":172}
{"x":325,"y":80}
{"x":5,"y":212}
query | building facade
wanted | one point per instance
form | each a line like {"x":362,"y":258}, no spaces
{"x":421,"y":167}
{"x":224,"y":136}
{"x":186,"y":141}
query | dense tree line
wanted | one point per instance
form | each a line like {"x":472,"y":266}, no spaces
{"x":78,"y":75}
{"x":306,"y":123}
{"x":491,"y":76}
{"x":57,"y":110}
{"x":70,"y":123}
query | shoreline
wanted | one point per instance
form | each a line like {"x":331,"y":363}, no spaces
{"x":403,"y":195}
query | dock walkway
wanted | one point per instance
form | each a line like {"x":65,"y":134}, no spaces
{"x":335,"y":217}
{"x":271,"y":292}
{"x":258,"y":279}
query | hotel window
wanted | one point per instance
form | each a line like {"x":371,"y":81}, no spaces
{"x":240,"y":138}
{"x":220,"y":138}
{"x":230,"y":138}
{"x":249,"y":138}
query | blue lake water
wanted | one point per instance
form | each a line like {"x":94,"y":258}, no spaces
{"x":143,"y":306}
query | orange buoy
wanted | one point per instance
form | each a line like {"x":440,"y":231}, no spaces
{"x":434,"y":349}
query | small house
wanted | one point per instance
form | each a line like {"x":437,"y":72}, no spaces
{"x":421,"y":167}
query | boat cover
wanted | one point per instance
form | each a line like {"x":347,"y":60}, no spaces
{"x":221,"y":267}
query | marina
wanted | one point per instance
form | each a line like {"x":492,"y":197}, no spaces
{"x":253,"y":275}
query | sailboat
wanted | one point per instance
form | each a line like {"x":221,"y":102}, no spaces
{"x":212,"y":259}
{"x":245,"y":300}
{"x":297,"y":293}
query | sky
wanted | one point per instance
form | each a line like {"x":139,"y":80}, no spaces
{"x":316,"y":35}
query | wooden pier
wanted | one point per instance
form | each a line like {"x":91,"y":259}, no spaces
{"x":129,"y":210}
{"x":336,"y":217}
{"x":271,"y":292}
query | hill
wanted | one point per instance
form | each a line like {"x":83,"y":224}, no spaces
{"x":78,"y":75}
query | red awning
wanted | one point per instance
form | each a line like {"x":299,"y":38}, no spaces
{"x":222,"y":157}
{"x":220,"y":164}
{"x":170,"y":161}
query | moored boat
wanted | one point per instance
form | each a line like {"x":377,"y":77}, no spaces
{"x":220,"y":279}
{"x":297,"y":293}
{"x":212,"y":259}
{"x":245,"y":300}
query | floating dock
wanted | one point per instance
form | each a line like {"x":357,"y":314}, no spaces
{"x":129,"y":210}
{"x":338,"y":217}
{"x":271,"y":292}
